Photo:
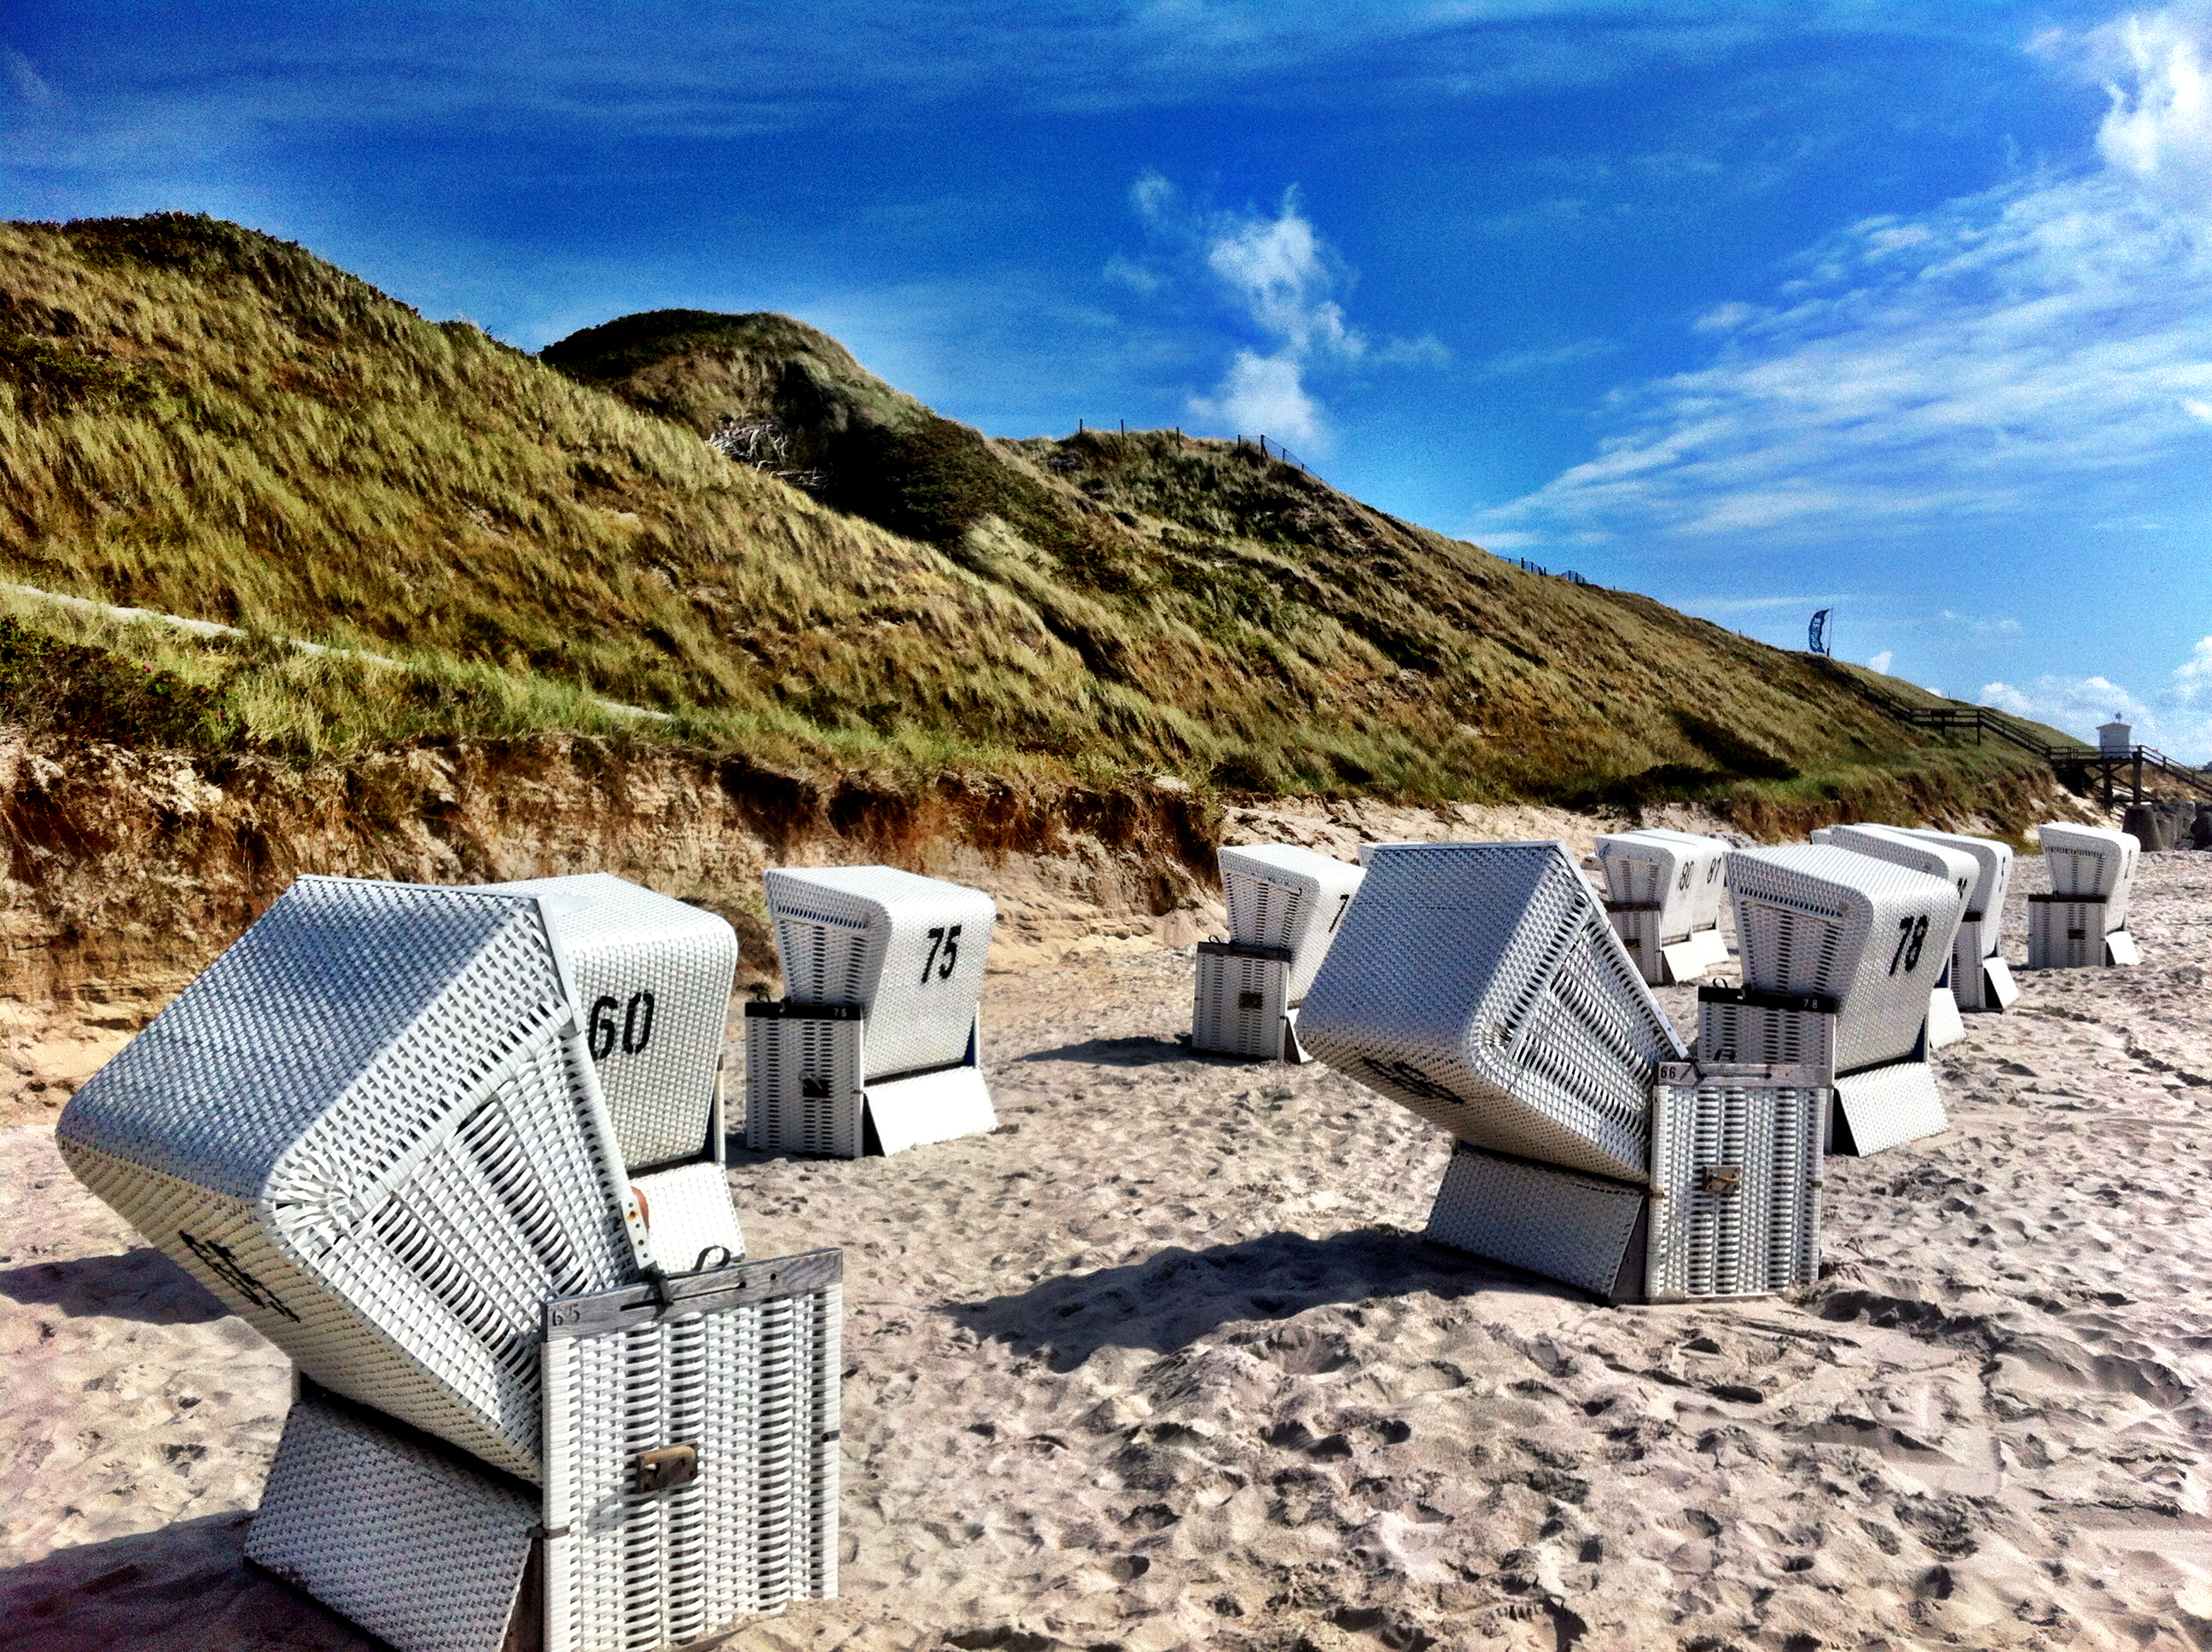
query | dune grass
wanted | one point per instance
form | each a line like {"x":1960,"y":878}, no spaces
{"x":198,"y":420}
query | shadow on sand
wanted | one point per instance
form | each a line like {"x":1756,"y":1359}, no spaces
{"x":139,"y":1284}
{"x":183,"y":1588}
{"x":1125,"y":1053}
{"x":1178,"y":1296}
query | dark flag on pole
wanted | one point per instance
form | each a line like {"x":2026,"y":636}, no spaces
{"x":1816,"y":634}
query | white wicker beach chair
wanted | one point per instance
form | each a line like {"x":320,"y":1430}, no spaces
{"x":372,"y":1127}
{"x":1910,"y":849}
{"x":1733,"y":1208}
{"x":1867,"y":935}
{"x":1280,"y":894}
{"x":1980,"y":978}
{"x":651,"y":976}
{"x":1839,"y":950}
{"x":877,"y":1039}
{"x":1479,"y":984}
{"x":2084,"y":921}
{"x":1285,"y":904}
{"x":1663,"y":894}
{"x":690,"y":1481}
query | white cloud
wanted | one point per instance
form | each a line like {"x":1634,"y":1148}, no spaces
{"x":2032,"y":346}
{"x":1278,"y":270}
{"x":24,"y":78}
{"x":2076,"y":704}
{"x":2160,"y":124}
{"x":1263,"y":393}
{"x":2179,"y":720}
{"x":1982,"y":626}
{"x":1726,"y":317}
{"x":1137,"y":276}
{"x":2193,"y":678}
{"x":1881,"y":661}
{"x":1281,"y":280}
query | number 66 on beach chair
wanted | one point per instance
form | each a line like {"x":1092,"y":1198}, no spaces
{"x":875,"y":1045}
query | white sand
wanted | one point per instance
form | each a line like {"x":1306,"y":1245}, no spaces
{"x":1166,"y":1361}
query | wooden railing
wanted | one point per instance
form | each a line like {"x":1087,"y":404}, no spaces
{"x":2077,"y":762}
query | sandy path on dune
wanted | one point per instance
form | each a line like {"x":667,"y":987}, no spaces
{"x":1164,"y":1361}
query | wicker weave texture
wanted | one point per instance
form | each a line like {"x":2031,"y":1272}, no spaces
{"x":424,"y":1553}
{"x":1915,"y":851}
{"x":651,"y":978}
{"x":1735,"y":1172}
{"x":1481,"y":985}
{"x":1889,"y":1106}
{"x":1993,"y":866}
{"x":1871,"y":935}
{"x":689,"y":1213}
{"x":755,"y":1389}
{"x":372,"y":1128}
{"x":1758,"y":1035}
{"x":803,"y":1091}
{"x":1280,"y":894}
{"x":1681,"y":871}
{"x":2067,"y":935}
{"x":2091,"y":861}
{"x":909,"y":949}
{"x":1568,"y":1227}
{"x":1238,"y":1006}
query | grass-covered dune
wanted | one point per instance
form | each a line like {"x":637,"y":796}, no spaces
{"x":198,"y":420}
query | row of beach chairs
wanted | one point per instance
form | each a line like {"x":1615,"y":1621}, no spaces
{"x":1488,"y":988}
{"x":458,"y":1153}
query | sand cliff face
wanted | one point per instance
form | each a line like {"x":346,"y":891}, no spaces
{"x":128,"y":871}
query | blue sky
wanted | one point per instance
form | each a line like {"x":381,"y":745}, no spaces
{"x":1902,"y":309}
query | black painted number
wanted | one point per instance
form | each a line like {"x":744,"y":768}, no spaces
{"x":1911,"y":935}
{"x":1683,"y":882}
{"x":1343,"y":906}
{"x":943,"y":953}
{"x":633,"y":1032}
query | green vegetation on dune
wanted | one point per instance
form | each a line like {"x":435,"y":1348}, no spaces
{"x":199,"y":420}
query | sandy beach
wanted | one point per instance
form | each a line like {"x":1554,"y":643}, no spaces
{"x":1164,"y":1361}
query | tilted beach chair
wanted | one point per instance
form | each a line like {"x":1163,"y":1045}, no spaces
{"x":373,"y":1128}
{"x":1285,"y":904}
{"x":2084,"y":921}
{"x":876,"y":1043}
{"x":1479,"y":985}
{"x":1980,"y":978}
{"x":1955,"y":866}
{"x":1838,"y":951}
{"x":1663,"y":892}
